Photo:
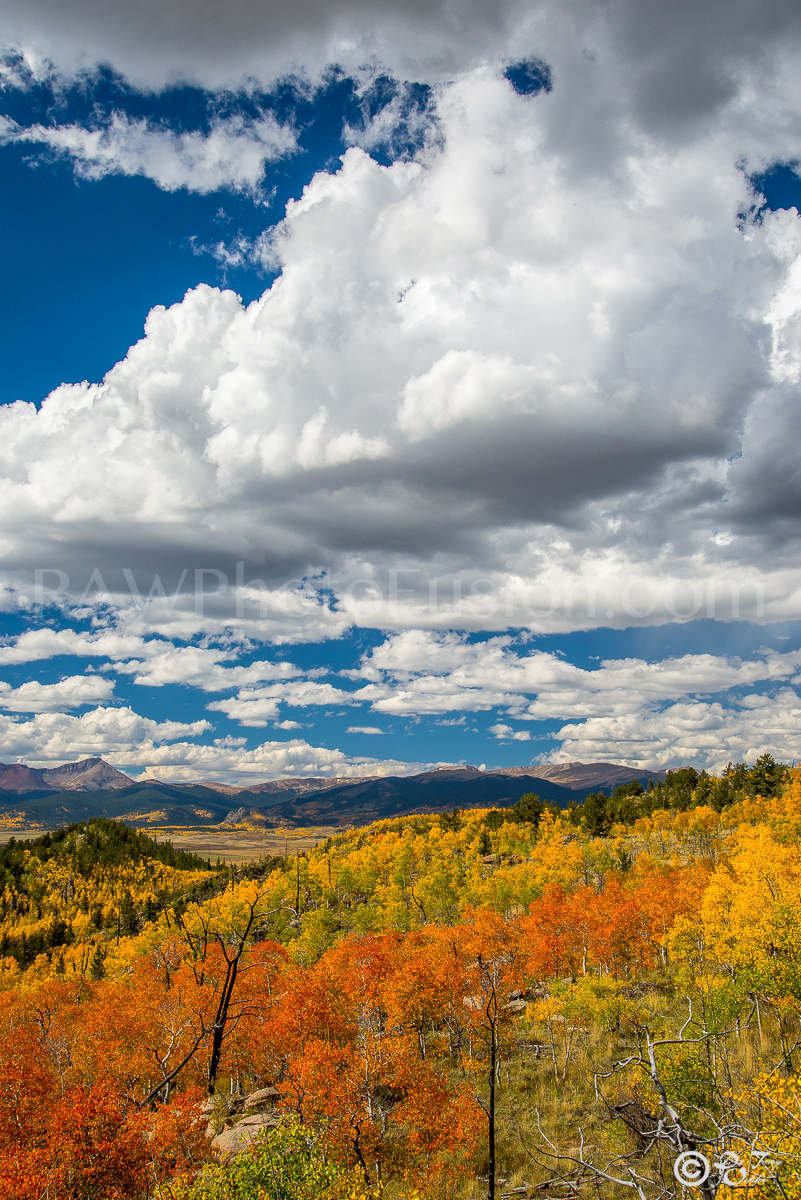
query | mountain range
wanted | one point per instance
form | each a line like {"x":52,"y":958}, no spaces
{"x":91,"y":787}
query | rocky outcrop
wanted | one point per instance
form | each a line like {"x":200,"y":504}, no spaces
{"x":234,"y":1124}
{"x":236,"y":1139}
{"x":263,"y":1098}
{"x":236,"y":816}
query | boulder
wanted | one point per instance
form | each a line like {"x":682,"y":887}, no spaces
{"x":258,"y":1120}
{"x":515,"y":1007}
{"x":240,"y":1137}
{"x":262,"y":1098}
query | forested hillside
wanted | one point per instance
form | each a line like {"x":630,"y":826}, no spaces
{"x":508,"y":1002}
{"x":79,"y":885}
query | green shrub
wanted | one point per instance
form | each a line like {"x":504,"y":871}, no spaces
{"x":285,"y":1163}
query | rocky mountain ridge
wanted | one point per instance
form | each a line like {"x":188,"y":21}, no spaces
{"x":87,"y":774}
{"x":95,"y":774}
{"x":78,"y":791}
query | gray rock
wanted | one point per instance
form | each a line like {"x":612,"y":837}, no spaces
{"x":236,"y":816}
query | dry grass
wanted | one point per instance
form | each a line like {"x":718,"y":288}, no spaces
{"x":231,"y":845}
{"x":241,"y":845}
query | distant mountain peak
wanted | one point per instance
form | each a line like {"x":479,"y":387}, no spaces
{"x":88,"y":774}
{"x":580,"y":775}
{"x":85,"y":775}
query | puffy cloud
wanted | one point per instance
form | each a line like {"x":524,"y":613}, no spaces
{"x":199,"y":666}
{"x":370,"y":730}
{"x":154,"y":43}
{"x":257,"y":706}
{"x":51,"y":738}
{"x":705,"y":734}
{"x":231,"y":154}
{"x":524,"y":406}
{"x":505,"y":733}
{"x":225,"y":603}
{"x":649,"y":714}
{"x":75,"y":691}
{"x":150,"y":748}
{"x":544,"y":375}
{"x":153,"y":662}
{"x":36,"y":644}
{"x":227,"y":761}
{"x":419,"y":672}
{"x":651,"y":44}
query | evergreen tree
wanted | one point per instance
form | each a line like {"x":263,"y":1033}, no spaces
{"x":128,"y":920}
{"x":529,"y":808}
{"x":766,"y":776}
{"x":595,"y":815}
{"x":97,"y":966}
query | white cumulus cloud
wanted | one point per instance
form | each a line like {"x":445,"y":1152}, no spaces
{"x":74,"y":691}
{"x":704,"y":734}
{"x":543,"y":375}
{"x":51,"y":738}
{"x":231,"y":154}
{"x":257,"y":706}
{"x":228,"y":761}
{"x":505,"y":733}
{"x":503,"y":384}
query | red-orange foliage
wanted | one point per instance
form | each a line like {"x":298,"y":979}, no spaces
{"x":616,"y":929}
{"x":364,"y":1038}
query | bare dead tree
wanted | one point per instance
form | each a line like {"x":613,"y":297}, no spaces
{"x":202,"y":929}
{"x":677,"y":1144}
{"x":491,"y":981}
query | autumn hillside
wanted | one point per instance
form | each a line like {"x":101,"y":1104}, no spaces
{"x":84,"y":885}
{"x":496,"y":1002}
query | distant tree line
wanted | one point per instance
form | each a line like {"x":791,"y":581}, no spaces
{"x":680,"y":790}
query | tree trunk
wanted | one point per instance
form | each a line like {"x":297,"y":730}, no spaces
{"x":491,"y":1132}
{"x":220,"y":1020}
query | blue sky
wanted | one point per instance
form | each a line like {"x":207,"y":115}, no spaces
{"x":399,"y":394}
{"x":129,"y":243}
